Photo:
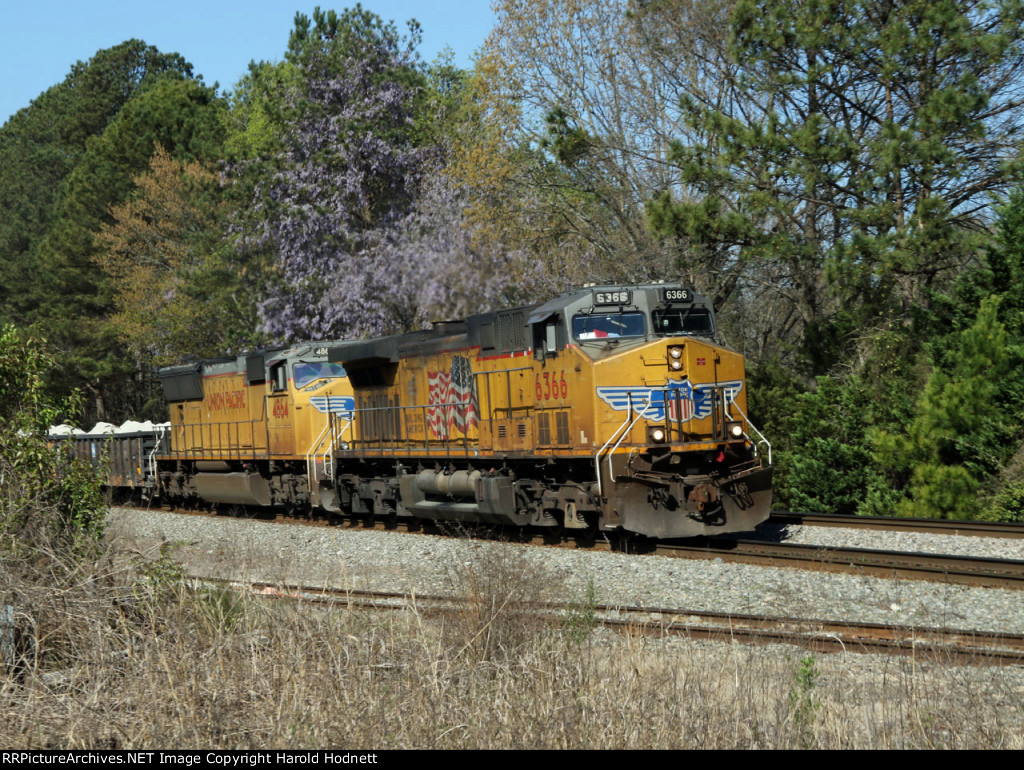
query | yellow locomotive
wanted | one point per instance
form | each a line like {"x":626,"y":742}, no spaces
{"x":608,"y":407}
{"x":253,"y":429}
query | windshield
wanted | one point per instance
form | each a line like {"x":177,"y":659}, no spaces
{"x":303,"y":374}
{"x":669,"y":322}
{"x":608,"y":325}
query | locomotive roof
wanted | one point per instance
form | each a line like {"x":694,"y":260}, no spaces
{"x":380,"y":350}
{"x":183,"y":382}
{"x":228,"y":364}
{"x":575,"y":299}
{"x":505,"y":330}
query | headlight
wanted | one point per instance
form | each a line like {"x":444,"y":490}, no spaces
{"x":675,"y":352}
{"x":656,"y":435}
{"x":736,"y":430}
{"x":676,"y":364}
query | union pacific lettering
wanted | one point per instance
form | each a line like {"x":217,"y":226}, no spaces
{"x":221,"y":396}
{"x":220,"y":402}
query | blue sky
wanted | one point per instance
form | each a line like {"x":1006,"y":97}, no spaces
{"x":40,"y":41}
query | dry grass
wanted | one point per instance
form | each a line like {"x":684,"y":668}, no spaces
{"x":134,"y":658}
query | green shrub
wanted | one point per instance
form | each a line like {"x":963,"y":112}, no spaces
{"x":48,"y":499}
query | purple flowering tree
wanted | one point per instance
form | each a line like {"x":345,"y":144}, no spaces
{"x":348,"y":173}
{"x":434,"y":264}
{"x":368,"y":230}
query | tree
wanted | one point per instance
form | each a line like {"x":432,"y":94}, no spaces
{"x":175,"y":293}
{"x":959,"y":432}
{"x":861,"y":156}
{"x":368,"y":222}
{"x":994,"y":444}
{"x":184,"y":117}
{"x":50,"y":503}
{"x":580,"y":117}
{"x":430,"y":266}
{"x":42,"y":144}
{"x":349,"y":171}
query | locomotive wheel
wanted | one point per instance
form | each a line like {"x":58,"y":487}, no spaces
{"x":587,"y":537}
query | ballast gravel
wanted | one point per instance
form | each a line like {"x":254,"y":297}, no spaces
{"x":923,"y":542}
{"x":422,"y":564}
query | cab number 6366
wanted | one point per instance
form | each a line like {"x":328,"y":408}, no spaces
{"x":551,"y":385}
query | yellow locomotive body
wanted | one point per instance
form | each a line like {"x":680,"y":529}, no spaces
{"x":607,"y":407}
{"x":253,"y":430}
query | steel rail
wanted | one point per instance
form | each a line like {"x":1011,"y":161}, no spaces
{"x":933,"y":526}
{"x":961,"y":570}
{"x":820,"y":635}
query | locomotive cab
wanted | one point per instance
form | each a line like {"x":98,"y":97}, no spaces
{"x":600,"y":320}
{"x":676,"y":451}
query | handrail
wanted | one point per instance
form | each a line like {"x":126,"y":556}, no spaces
{"x":334,"y":441}
{"x":224,"y":431}
{"x":160,"y":431}
{"x":327,"y":440}
{"x":311,"y":454}
{"x":597,"y":456}
{"x":760,"y":436}
{"x":406,"y":442}
{"x":650,"y":402}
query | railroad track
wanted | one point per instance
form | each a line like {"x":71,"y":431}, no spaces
{"x":828,"y":636}
{"x":961,"y":570}
{"x":931,"y":526}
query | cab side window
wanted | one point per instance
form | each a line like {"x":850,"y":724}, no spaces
{"x":545,"y":338}
{"x":279,"y":377}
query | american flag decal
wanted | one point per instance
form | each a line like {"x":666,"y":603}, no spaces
{"x":680,"y":405}
{"x":453,"y":399}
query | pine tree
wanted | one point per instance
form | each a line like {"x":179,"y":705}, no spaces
{"x":42,"y":144}
{"x":868,"y":140}
{"x":960,"y":429}
{"x":181,"y":115}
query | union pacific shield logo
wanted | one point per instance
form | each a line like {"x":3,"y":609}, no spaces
{"x":679,"y":399}
{"x":342,"y":406}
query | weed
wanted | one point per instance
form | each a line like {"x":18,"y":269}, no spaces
{"x":196,"y":667}
{"x":500,"y":589}
{"x":581,"y":617}
{"x":163,"y":572}
{"x":223,"y":609}
{"x":803,"y":701}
